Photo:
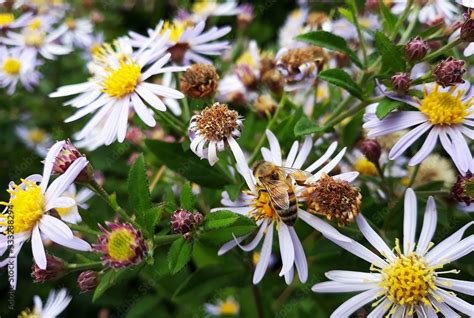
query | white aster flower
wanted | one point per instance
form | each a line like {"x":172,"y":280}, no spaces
{"x":212,"y":130}
{"x":446,"y":114}
{"x":431,"y":11}
{"x":293,"y":27}
{"x":120,"y":83}
{"x":227,"y":307}
{"x":406,"y":280}
{"x":255,"y":203}
{"x":78,"y":33}
{"x":35,"y":138}
{"x":9,"y":22}
{"x":18,"y":66}
{"x":29,"y":206}
{"x":203,"y":9}
{"x":55,"y":305}
{"x":71,"y":214}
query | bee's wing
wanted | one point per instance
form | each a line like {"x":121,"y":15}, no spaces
{"x":300,"y":176}
{"x":278,"y":192}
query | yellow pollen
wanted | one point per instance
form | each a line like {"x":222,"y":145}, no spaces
{"x":95,"y":49}
{"x":36,"y":136}
{"x":35,"y":24}
{"x":6,"y":18}
{"x":408,"y":281}
{"x":255,"y":258}
{"x":445,"y":108}
{"x":11,"y":66}
{"x":34,"y":38}
{"x":176,"y":29}
{"x":122,"y":81}
{"x":365,"y":167}
{"x":229,"y":308}
{"x":262,"y":207}
{"x":120,"y":245}
{"x":246,"y":59}
{"x":71,"y":23}
{"x":27,"y":313}
{"x":203,"y":6}
{"x":26,"y":207}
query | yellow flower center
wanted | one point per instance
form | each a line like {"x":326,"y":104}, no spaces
{"x":176,"y":29}
{"x":34,"y":38}
{"x":35,"y":24}
{"x":262,"y":208}
{"x":27,"y":313}
{"x":120,"y":245}
{"x":95,"y":49}
{"x":365,"y":167}
{"x":408,"y":281}
{"x":255,"y":258}
{"x":26,"y":207}
{"x":71,"y":23}
{"x":246,"y":59}
{"x":202,"y":6}
{"x":36,"y":136}
{"x":122,"y":81}
{"x":444,"y":108}
{"x":6,"y":18}
{"x":11,"y":66}
{"x":229,"y":308}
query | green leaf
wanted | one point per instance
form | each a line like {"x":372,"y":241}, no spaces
{"x":138,"y":192}
{"x":179,"y":254}
{"x":340,"y":78}
{"x":188,"y":164}
{"x":393,"y":58}
{"x":233,"y":190}
{"x":352,"y":130}
{"x":389,"y":19}
{"x":111,"y":278}
{"x":329,"y":41}
{"x":306,"y":126}
{"x":385,"y":106}
{"x":187,"y":197}
{"x":220,"y":219}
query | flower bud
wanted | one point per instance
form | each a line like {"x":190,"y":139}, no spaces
{"x":372,"y":5}
{"x":372,"y":150}
{"x":449,"y":72}
{"x":265,"y":104}
{"x":274,"y":80}
{"x":199,"y":81}
{"x":401,"y":82}
{"x":416,"y":49}
{"x":463,"y":189}
{"x":66,"y":157}
{"x":467,"y":29}
{"x":246,"y":75}
{"x":54,"y":270}
{"x":245,"y":16}
{"x":182,"y":221}
{"x":87,"y":281}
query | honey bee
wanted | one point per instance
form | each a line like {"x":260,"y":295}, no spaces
{"x":278,"y":183}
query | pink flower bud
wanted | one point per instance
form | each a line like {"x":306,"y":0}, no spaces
{"x":449,"y":72}
{"x":416,"y":49}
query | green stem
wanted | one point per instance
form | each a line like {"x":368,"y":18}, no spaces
{"x":411,"y":25}
{"x":359,"y":31}
{"x":165,"y":239}
{"x":413,"y":176}
{"x":440,"y":192}
{"x":171,"y":121}
{"x":402,"y":19}
{"x":270,"y":123}
{"x":83,"y":229}
{"x":443,"y":49}
{"x":258,"y":300}
{"x":97,"y":188}
{"x":186,"y":112}
{"x":82,"y":267}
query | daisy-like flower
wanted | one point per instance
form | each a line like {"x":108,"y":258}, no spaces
{"x":203,"y":9}
{"x":122,"y":246}
{"x":78,"y":33}
{"x":293,"y":27}
{"x":71,"y":214}
{"x":447,"y":114}
{"x":227,"y":307}
{"x":255,"y":203}
{"x":408,"y":279}
{"x":431,"y":10}
{"x":214,"y":128}
{"x":29,"y":208}
{"x":18,"y":66}
{"x":8,"y":20}
{"x":187,"y":43}
{"x":55,"y":305}
{"x":35,"y":138}
{"x":120,"y":83}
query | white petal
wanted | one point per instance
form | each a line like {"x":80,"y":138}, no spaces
{"x":145,"y":114}
{"x":407,"y":140}
{"x":300,"y":258}
{"x":274,"y":147}
{"x":304,"y":152}
{"x":353,"y":277}
{"x":429,"y":227}
{"x":433,"y":255}
{"x":286,"y":248}
{"x":338,"y":287}
{"x":54,"y":229}
{"x":77,"y":244}
{"x":323,"y":159}
{"x":456,"y":302}
{"x":374,"y":238}
{"x":321,"y":226}
{"x":251,"y":246}
{"x":409,"y":222}
{"x":462,"y":286}
{"x":48,"y":163}
{"x":459,"y":250}
{"x":264,"y":258}
{"x":381,"y":309}
{"x":356,"y":302}
{"x":38,"y":249}
{"x":230,"y":245}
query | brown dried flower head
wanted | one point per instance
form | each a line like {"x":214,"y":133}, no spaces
{"x":298,"y":64}
{"x":274,"y":80}
{"x":335,"y":199}
{"x":199,"y":81}
{"x":265,"y":104}
{"x":216,"y":122}
{"x":316,"y":19}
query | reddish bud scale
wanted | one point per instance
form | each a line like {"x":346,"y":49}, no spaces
{"x":449,"y":72}
{"x":182,"y":221}
{"x":87,"y":281}
{"x":416,"y":49}
{"x":54,"y":270}
{"x":401,"y":82}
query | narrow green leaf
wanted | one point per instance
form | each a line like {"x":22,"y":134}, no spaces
{"x":187,"y":164}
{"x":385,"y":106}
{"x":220,"y":219}
{"x":187,"y":197}
{"x":340,"y":78}
{"x":138,"y":191}
{"x":305,"y":126}
{"x":329,"y":41}
{"x":108,"y":280}
{"x":179,"y":254}
{"x":393,"y":58}
{"x":389,"y":19}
